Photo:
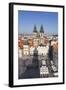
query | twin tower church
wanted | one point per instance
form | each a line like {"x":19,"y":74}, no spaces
{"x":41,"y":29}
{"x":39,"y":33}
{"x":35,"y":39}
{"x":28,"y":42}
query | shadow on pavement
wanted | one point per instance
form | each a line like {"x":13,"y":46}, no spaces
{"x":32,"y":70}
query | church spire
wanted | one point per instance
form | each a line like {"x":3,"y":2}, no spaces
{"x":35,"y":29}
{"x":41,"y":29}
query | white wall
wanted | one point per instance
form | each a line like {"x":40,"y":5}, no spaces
{"x":53,"y":42}
{"x":4,"y":45}
{"x":31,"y":50}
{"x":43,"y":50}
{"x":26,"y":50}
{"x":20,"y":53}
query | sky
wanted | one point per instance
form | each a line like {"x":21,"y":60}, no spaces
{"x":28,"y":19}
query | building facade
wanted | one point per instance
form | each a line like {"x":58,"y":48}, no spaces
{"x":28,"y":42}
{"x":26,"y":50}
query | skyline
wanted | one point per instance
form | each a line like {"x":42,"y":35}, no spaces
{"x":28,"y":19}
